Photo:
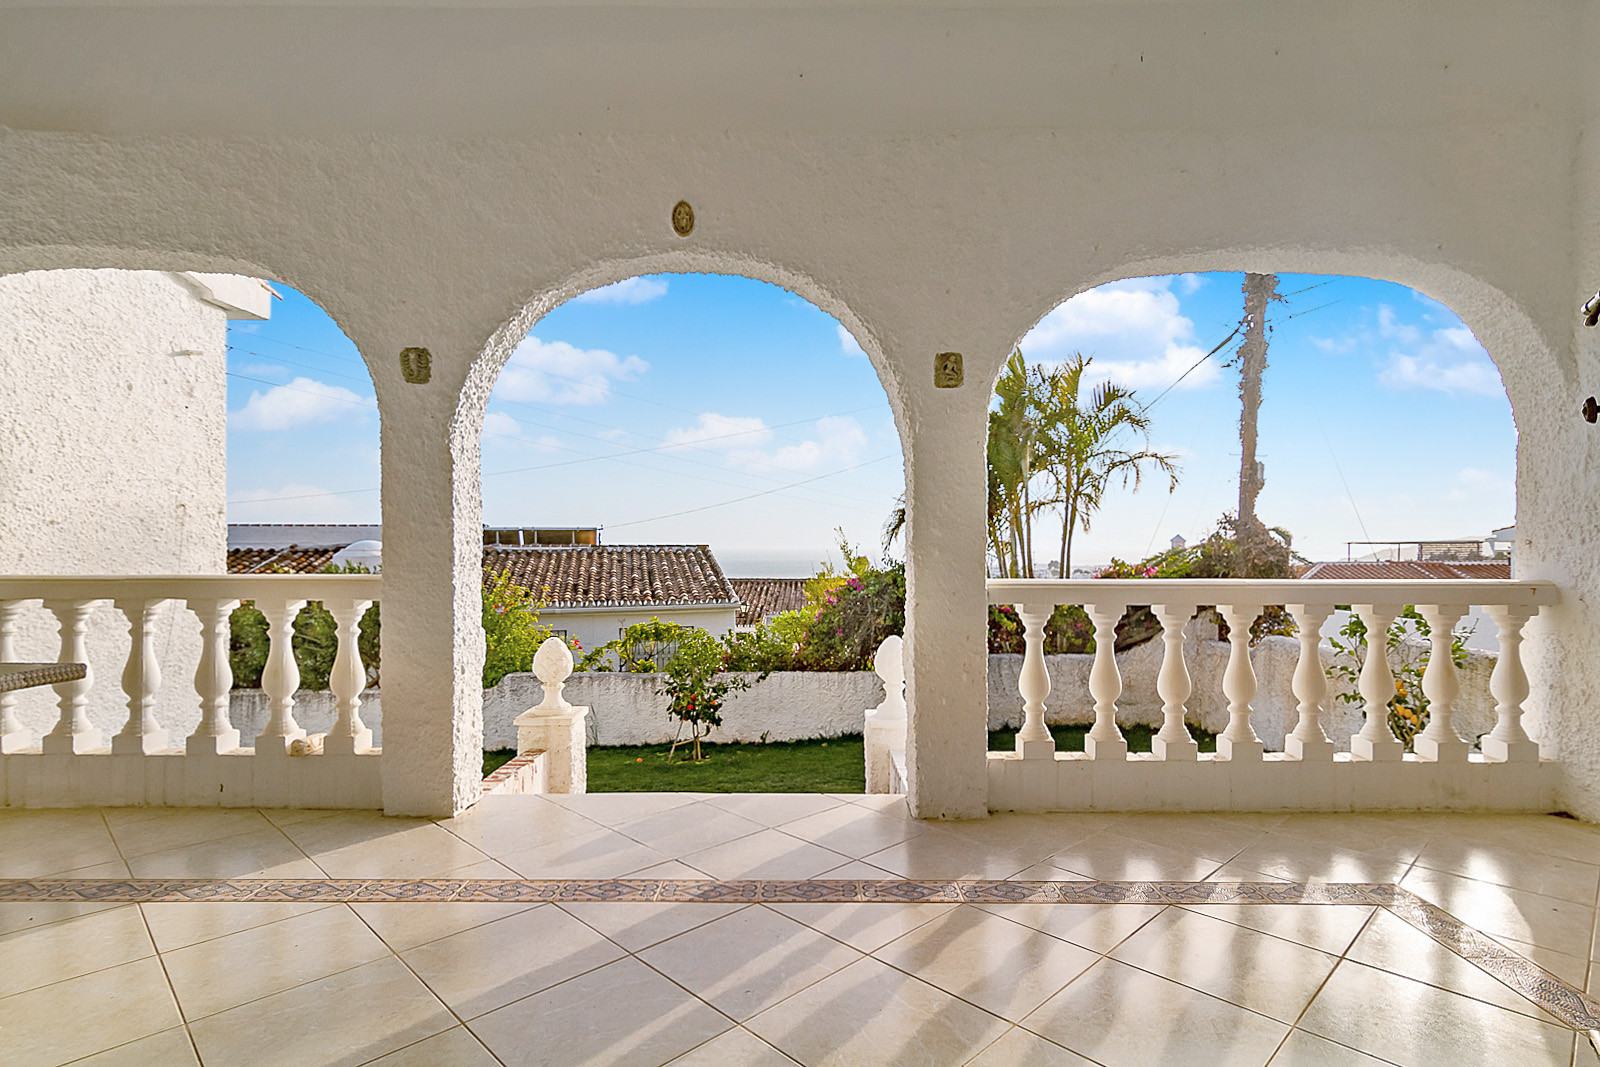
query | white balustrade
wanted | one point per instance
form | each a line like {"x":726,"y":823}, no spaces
{"x":884,"y":738}
{"x":1377,"y":771}
{"x":210,"y":766}
{"x":1174,"y":742}
{"x":554,"y":726}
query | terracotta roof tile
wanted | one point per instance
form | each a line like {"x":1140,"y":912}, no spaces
{"x":291,"y":560}
{"x":763,"y":597}
{"x":1369,"y":570}
{"x":614,"y":575}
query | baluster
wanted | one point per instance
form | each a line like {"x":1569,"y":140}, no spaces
{"x":141,"y":678}
{"x":1376,"y":741}
{"x":1309,"y":741}
{"x":1034,"y":741}
{"x":1105,"y":741}
{"x":1508,"y":742}
{"x":1239,"y":740}
{"x":1174,"y":742}
{"x":280,"y":679}
{"x":14,"y":737}
{"x":213,"y":680}
{"x":73,"y":732}
{"x":1439,"y":742}
{"x":349,"y":734}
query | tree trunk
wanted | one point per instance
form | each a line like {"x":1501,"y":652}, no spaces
{"x":1259,"y":290}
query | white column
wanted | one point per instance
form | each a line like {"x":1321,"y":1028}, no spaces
{"x":1105,"y":741}
{"x":141,"y":679}
{"x":1438,"y":741}
{"x":349,"y":734}
{"x":1376,"y":741}
{"x":1173,"y":741}
{"x":1309,"y":741}
{"x":886,"y":724}
{"x":1508,"y":742}
{"x":1239,"y":740}
{"x":73,"y":732}
{"x":14,"y":737}
{"x":280,"y":679}
{"x":554,"y":726}
{"x":213,"y":680}
{"x":1034,"y":740}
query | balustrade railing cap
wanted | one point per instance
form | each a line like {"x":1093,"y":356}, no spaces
{"x":1504,"y":592}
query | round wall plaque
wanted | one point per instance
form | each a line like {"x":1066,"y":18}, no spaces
{"x":682,"y":218}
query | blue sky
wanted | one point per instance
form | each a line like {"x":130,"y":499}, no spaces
{"x":704,"y":409}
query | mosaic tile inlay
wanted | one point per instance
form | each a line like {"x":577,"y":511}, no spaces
{"x":1560,"y":999}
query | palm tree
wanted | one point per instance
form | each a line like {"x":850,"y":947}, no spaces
{"x":1079,"y":455}
{"x":1016,"y":429}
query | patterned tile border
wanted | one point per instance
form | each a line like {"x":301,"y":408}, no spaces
{"x":1571,"y":1005}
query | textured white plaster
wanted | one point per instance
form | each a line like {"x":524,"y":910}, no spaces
{"x":442,"y":178}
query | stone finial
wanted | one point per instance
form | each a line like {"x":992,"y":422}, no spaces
{"x":889,"y":665}
{"x":553,"y":665}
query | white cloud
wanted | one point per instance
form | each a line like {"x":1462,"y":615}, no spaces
{"x":1191,"y":283}
{"x":1447,"y":358}
{"x":1133,"y":333}
{"x":259,"y":369}
{"x":722,"y":433}
{"x":628,"y":291}
{"x":1477,"y":484}
{"x":507,"y":431}
{"x":847,"y":342}
{"x":835,"y":441}
{"x":554,"y":372}
{"x":302,"y":402}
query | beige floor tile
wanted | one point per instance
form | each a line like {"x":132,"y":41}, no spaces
{"x":1202,"y":835}
{"x":863,"y":926}
{"x":483,"y":869}
{"x":943,"y":853}
{"x":209,"y":978}
{"x":623,"y":1013}
{"x":638,"y":926}
{"x":169,"y":1048}
{"x":772,"y":809}
{"x":1301,"y":1049}
{"x":1566,"y":879}
{"x":34,"y":844}
{"x":1392,"y":944}
{"x":737,"y":1046}
{"x":1501,"y":912}
{"x":1330,"y":928}
{"x":420,"y":852}
{"x":138,"y":831}
{"x":501,"y":829}
{"x":853,"y":830}
{"x":612,"y":809}
{"x":290,"y":816}
{"x":1398,"y":839}
{"x":178,"y":924}
{"x":340,"y":1021}
{"x":1585,"y":1052}
{"x":32,"y":914}
{"x":61,"y":950}
{"x":1024,"y":1048}
{"x":1570,"y":969}
{"x":870,"y":1013}
{"x":1545,"y":834}
{"x":1281,"y":854}
{"x":1408,"y":1022}
{"x":1110,"y":856}
{"x":858,"y":869}
{"x":601,"y":854}
{"x":63,"y":1022}
{"x":1266,"y":974}
{"x":456,"y":1047}
{"x":486,"y":967}
{"x":766,"y":854}
{"x":1233,"y":872}
{"x":1124,"y":1017}
{"x":404,"y":925}
{"x":1097,"y":927}
{"x":748,"y":961}
{"x":670,"y":869}
{"x":689,"y":829}
{"x":258,"y":854}
{"x":347,"y":829}
{"x":1001,"y":966}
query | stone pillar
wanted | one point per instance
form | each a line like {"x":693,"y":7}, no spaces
{"x":886,"y":723}
{"x":556,"y":727}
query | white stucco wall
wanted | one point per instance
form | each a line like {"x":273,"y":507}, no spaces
{"x":442,"y":178}
{"x":113,"y":410}
{"x":601,"y":626}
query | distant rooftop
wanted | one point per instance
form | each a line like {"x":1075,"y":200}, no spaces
{"x":764,"y":597}
{"x":1384,"y":570}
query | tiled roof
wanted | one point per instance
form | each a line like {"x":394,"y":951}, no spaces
{"x":764,"y":597}
{"x":291,"y":560}
{"x":614,"y":575}
{"x":1368,"y":570}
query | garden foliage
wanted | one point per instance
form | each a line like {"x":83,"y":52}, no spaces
{"x":1406,"y":647}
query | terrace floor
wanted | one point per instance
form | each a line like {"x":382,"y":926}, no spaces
{"x":1164,"y":973}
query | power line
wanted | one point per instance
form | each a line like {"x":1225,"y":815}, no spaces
{"x":752,"y":496}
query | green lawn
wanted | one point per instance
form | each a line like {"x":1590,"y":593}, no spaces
{"x":832,"y":766}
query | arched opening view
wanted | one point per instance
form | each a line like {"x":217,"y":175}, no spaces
{"x":173,"y":388}
{"x":693,"y":482}
{"x":1280,"y":429}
